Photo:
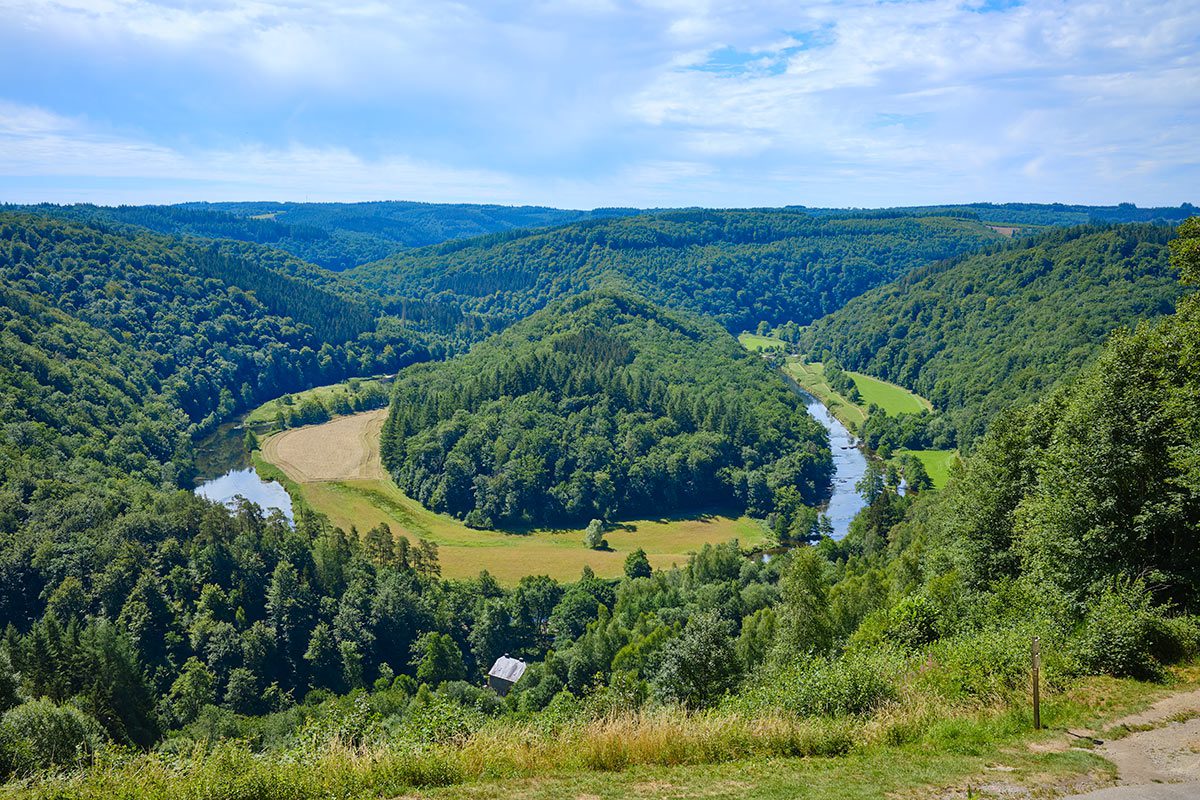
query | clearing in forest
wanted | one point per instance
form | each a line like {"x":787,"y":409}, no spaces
{"x":335,"y":467}
{"x":345,"y":448}
{"x":752,"y":341}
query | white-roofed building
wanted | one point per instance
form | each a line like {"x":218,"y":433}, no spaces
{"x":504,"y":673}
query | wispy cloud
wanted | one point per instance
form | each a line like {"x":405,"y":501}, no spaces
{"x":598,"y":102}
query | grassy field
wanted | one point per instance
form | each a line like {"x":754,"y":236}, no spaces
{"x":267,"y":412}
{"x":937,"y":463}
{"x":334,"y":467}
{"x":811,"y":378}
{"x":752,"y":341}
{"x":891,"y":398}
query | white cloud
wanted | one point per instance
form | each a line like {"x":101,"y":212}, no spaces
{"x":850,"y":101}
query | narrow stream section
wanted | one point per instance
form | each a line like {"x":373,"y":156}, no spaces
{"x":849,"y":465}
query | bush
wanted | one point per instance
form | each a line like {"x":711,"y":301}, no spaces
{"x":856,"y":683}
{"x":986,"y":665}
{"x":16,"y":755}
{"x":912,"y":623}
{"x":40,"y":735}
{"x":1125,"y":636}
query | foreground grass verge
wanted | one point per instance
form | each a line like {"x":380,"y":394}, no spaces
{"x":915,"y":748}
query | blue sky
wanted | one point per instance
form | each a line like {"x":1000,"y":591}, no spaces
{"x":586,"y":103}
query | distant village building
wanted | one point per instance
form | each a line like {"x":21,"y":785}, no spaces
{"x":504,"y":673}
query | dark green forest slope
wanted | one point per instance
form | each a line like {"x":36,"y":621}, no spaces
{"x":981,"y":333}
{"x":1030,"y":214}
{"x":335,"y":236}
{"x":740,"y":267}
{"x":215,"y":326}
{"x":1099,"y":481}
{"x":604,"y":406}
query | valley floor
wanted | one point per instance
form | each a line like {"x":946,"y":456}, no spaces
{"x":335,"y":468}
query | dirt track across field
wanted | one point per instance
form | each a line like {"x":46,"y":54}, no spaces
{"x":343,"y":449}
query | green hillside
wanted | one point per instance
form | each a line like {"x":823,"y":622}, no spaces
{"x":221,"y":326}
{"x":740,"y":267}
{"x":335,"y":236}
{"x":604,"y":406}
{"x":1099,"y":480}
{"x":981,"y":333}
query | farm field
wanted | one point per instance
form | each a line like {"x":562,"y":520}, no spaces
{"x":335,"y":467}
{"x":345,"y":448}
{"x":936,"y":462}
{"x":752,"y":341}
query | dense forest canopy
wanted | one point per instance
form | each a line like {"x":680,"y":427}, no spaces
{"x":604,"y":406}
{"x":335,"y":236}
{"x":984,"y":332}
{"x":1099,"y":481}
{"x":214,"y":326}
{"x":740,"y":267}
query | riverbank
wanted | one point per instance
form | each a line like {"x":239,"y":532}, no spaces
{"x":892,"y":399}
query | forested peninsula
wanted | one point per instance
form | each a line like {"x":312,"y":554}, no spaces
{"x":605,"y":406}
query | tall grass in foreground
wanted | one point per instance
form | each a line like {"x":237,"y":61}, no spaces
{"x":388,"y":768}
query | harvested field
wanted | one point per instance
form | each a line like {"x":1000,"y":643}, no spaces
{"x":343,"y":449}
{"x":336,"y":467}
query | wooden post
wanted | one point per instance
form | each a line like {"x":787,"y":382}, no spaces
{"x":1037,"y":700}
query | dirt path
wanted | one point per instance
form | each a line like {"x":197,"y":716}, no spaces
{"x":346,"y":448}
{"x":1160,"y":760}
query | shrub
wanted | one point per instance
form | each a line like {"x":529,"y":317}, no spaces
{"x":986,"y":665}
{"x":40,"y":735}
{"x":856,"y":683}
{"x":912,"y":622}
{"x":1126,"y":636}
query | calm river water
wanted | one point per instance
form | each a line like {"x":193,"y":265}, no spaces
{"x":849,"y":464}
{"x":226,"y":474}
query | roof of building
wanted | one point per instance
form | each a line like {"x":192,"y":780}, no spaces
{"x":507,"y":669}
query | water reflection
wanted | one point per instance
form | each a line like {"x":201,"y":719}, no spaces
{"x":246,"y":483}
{"x":849,"y":464}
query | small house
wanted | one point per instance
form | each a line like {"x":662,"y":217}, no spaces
{"x":504,"y":673}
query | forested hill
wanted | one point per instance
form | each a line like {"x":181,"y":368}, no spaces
{"x":604,"y":406}
{"x":215,"y":326}
{"x":740,"y":267}
{"x":336,"y":236}
{"x":1030,"y":214}
{"x":1101,"y":480}
{"x":985,"y":332}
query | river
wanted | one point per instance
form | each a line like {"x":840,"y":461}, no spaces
{"x":849,"y":464}
{"x":225,"y":473}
